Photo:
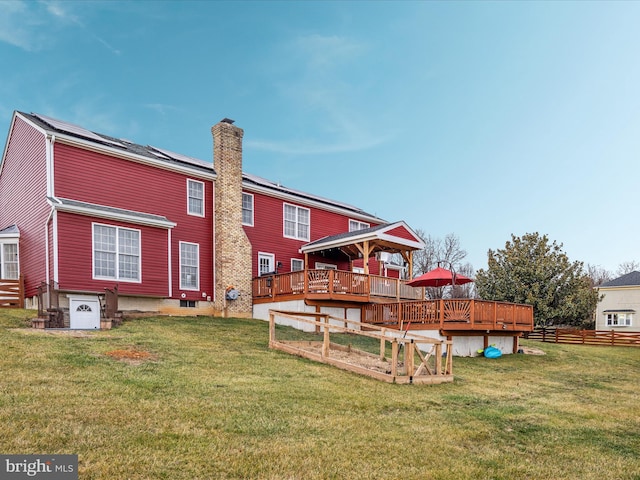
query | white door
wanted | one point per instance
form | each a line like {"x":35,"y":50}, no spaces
{"x":266,"y":263}
{"x":84,"y":313}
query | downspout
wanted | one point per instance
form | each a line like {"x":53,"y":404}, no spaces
{"x":169,"y":260}
{"x":46,"y":246}
{"x":50,"y":140}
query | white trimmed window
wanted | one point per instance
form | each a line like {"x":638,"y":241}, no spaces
{"x":195,"y":198}
{"x":189,"y":266}
{"x":9,"y":261}
{"x":247,"y":209}
{"x":116,"y":253}
{"x":297,"y":265}
{"x":266,"y":263}
{"x":619,"y":319}
{"x":355,"y":225}
{"x":296,"y":222}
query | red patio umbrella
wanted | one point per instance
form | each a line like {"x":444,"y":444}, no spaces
{"x":439,"y":277}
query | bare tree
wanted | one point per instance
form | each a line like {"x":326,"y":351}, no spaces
{"x":447,"y":253}
{"x":597,"y":275}
{"x":627,"y":267}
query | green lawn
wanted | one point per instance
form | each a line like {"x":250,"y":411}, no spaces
{"x":213,"y":401}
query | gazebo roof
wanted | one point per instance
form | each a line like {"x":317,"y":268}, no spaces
{"x":395,"y":237}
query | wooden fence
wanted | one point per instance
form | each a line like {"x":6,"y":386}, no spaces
{"x":12,"y":293}
{"x":614,"y":338}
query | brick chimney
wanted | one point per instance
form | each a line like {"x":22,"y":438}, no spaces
{"x":232,"y":247}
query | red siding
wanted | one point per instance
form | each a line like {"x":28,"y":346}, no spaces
{"x":267,"y":234}
{"x":105,"y":180}
{"x":23,"y":189}
{"x":75,"y":257}
{"x":402,"y":232}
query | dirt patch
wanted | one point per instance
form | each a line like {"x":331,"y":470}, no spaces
{"x":354,"y":357}
{"x":532,"y":351}
{"x":132,"y":357}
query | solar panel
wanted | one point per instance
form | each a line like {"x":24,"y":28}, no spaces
{"x":182,"y":158}
{"x":157,"y":154}
{"x":268,"y":183}
{"x":74,"y":129}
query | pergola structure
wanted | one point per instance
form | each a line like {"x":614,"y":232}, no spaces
{"x":389,"y":238}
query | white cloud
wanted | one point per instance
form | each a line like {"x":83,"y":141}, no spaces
{"x":161,"y":108}
{"x":20,"y":25}
{"x":317,"y":79}
{"x":326,"y":52}
{"x":312,"y":147}
{"x":34,"y":26}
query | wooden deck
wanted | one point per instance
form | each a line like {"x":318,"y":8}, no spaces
{"x":390,"y":303}
{"x":332,"y":285}
{"x":451,"y":315}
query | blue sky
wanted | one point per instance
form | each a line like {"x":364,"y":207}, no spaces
{"x":480,"y":119}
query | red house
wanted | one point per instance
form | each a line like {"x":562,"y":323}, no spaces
{"x":81,"y":212}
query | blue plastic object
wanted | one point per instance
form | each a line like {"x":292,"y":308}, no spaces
{"x":492,"y":352}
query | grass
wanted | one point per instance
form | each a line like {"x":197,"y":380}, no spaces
{"x":212,"y":401}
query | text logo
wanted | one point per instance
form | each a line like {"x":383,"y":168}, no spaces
{"x":45,"y":467}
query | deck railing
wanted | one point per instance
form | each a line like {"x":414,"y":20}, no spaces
{"x":12,"y":293}
{"x":333,"y":283}
{"x":451,"y":314}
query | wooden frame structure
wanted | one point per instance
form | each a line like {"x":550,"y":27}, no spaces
{"x":435,"y":360}
{"x":12,"y":293}
{"x":50,"y":315}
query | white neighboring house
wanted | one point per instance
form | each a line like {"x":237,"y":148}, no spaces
{"x":620,"y":307}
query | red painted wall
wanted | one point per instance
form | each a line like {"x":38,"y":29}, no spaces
{"x":23,"y":189}
{"x":75,"y":257}
{"x":402,"y":232}
{"x":267,"y":234}
{"x":105,"y":180}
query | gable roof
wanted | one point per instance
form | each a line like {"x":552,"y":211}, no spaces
{"x":629,"y":280}
{"x":59,"y":127}
{"x":171,"y":159}
{"x":255,"y":183}
{"x":388,"y":237}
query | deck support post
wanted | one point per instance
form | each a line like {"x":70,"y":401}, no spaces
{"x":326,"y":340}
{"x":438,"y":359}
{"x":516,"y":341}
{"x":317,"y":317}
{"x":272,"y":329}
{"x":408,"y":357}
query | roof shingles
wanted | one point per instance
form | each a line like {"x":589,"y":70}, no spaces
{"x":631,"y":279}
